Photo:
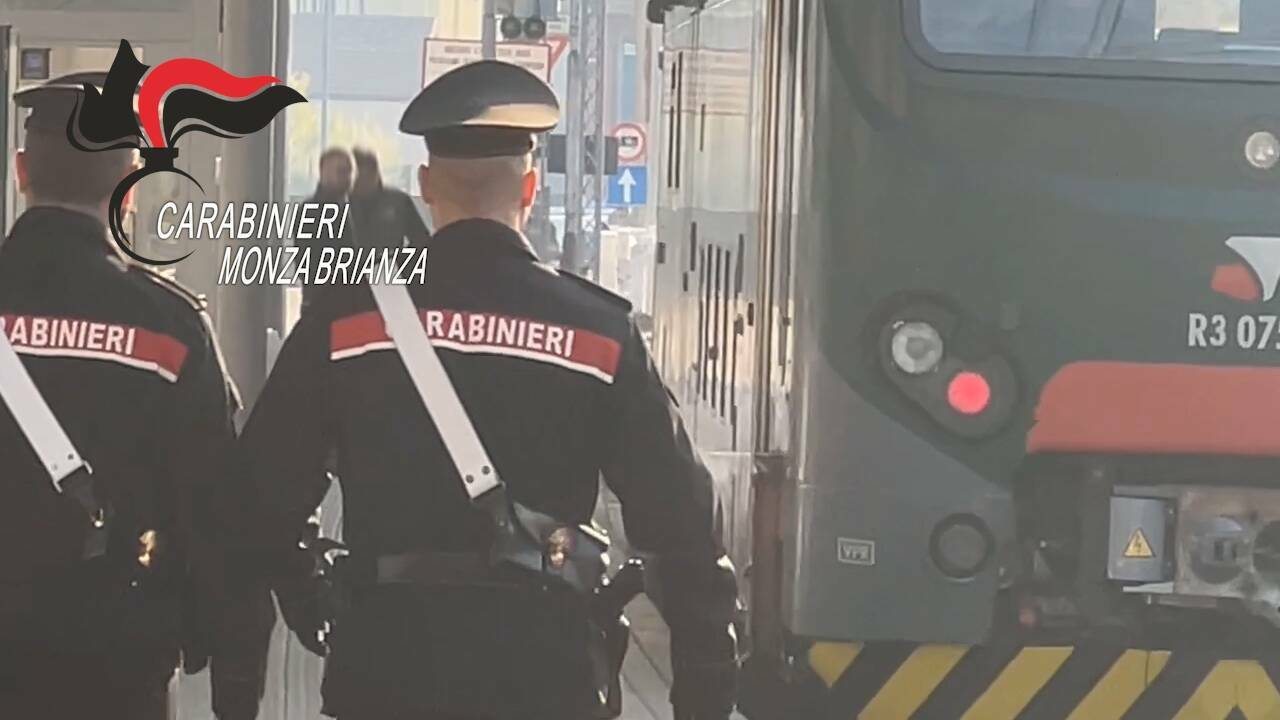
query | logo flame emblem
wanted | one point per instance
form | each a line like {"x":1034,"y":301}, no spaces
{"x":175,"y":97}
{"x":1262,"y":254}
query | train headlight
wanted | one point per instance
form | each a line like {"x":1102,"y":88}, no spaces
{"x":916,"y":347}
{"x":1262,"y":150}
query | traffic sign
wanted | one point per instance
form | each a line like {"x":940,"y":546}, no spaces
{"x":440,"y":56}
{"x":559,"y":43}
{"x":629,"y":187}
{"x":632,"y":140}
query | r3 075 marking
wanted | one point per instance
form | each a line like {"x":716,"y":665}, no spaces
{"x":1246,"y":332}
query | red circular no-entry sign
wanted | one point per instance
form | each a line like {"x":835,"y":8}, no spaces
{"x":632,"y":140}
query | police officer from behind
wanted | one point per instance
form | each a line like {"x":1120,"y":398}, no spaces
{"x":126,"y":362}
{"x":560,"y":388}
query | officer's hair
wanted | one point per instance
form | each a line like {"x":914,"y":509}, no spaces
{"x":481,"y":184}
{"x":335,"y":153}
{"x":366,"y":159}
{"x":58,"y":172}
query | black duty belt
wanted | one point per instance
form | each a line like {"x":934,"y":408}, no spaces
{"x":432,"y":568}
{"x":426,"y":569}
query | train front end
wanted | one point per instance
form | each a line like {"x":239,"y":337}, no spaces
{"x":1038,"y":358}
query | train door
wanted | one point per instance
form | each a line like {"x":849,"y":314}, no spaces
{"x":675,"y":278}
{"x":783,"y":119}
{"x":708,"y":287}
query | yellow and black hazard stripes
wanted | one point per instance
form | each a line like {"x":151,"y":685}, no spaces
{"x":914,"y":681}
{"x":1119,"y":688}
{"x":1239,"y":687}
{"x":902,"y":681}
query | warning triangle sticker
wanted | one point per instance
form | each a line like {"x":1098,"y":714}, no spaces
{"x":1138,"y":547}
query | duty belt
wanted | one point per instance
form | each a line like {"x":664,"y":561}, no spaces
{"x":436,"y":569}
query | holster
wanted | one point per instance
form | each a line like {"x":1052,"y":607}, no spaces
{"x":325,"y":584}
{"x":613,"y":633}
{"x":531,"y":550}
{"x":576,"y":556}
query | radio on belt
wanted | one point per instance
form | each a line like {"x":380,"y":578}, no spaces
{"x":1137,"y":548}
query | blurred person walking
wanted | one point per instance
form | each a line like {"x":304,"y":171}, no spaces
{"x":334,"y":186}
{"x":383,"y":216}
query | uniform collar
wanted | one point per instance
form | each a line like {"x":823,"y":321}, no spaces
{"x":480,"y":237}
{"x":45,"y":224}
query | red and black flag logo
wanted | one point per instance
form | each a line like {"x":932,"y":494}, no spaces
{"x":175,"y":97}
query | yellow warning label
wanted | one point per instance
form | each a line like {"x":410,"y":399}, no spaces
{"x":1138,"y":547}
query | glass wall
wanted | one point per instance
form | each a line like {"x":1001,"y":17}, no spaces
{"x":359,"y":63}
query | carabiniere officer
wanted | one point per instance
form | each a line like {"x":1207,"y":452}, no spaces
{"x":128,"y":364}
{"x":561,"y":389}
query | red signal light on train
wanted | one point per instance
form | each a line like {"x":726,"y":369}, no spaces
{"x":969,"y":393}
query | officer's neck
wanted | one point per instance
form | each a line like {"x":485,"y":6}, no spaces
{"x":97,"y":212}
{"x":443,"y":214}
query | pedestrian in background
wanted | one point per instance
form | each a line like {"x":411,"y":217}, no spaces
{"x":383,"y":216}
{"x":334,"y":186}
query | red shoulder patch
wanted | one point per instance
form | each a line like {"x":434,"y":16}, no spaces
{"x":94,"y":340}
{"x":571,"y":348}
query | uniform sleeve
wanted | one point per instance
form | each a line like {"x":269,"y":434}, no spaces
{"x":669,"y":511}
{"x":229,"y":621}
{"x":286,"y":442}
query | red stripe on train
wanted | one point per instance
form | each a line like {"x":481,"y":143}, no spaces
{"x":1152,"y":408}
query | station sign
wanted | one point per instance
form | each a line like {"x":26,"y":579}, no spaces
{"x":440,"y":56}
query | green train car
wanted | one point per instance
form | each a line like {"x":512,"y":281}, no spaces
{"x":971,"y":307}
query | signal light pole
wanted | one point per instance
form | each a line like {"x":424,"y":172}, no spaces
{"x":584,"y":162}
{"x":488,"y":31}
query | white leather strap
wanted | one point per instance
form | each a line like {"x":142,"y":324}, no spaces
{"x":404,"y":325}
{"x":38,"y":423}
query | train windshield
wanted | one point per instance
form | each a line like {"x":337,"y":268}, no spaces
{"x":1181,"y":31}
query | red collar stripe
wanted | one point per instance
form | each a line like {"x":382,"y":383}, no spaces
{"x":94,"y":340}
{"x":489,"y":334}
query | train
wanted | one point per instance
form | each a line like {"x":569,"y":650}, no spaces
{"x":971,"y":309}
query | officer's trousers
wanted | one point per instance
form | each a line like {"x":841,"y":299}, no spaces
{"x":80,"y":698}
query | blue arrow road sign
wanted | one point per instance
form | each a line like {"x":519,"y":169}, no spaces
{"x":629,"y":187}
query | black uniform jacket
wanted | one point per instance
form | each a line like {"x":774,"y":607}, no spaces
{"x":128,"y":364}
{"x":387,"y":217}
{"x":560,"y":387}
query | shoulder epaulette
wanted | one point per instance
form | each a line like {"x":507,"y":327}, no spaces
{"x":609,"y":295}
{"x":197,"y":301}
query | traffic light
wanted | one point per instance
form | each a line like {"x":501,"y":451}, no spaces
{"x":511,"y":27}
{"x":526,"y":18}
{"x":535,"y":28}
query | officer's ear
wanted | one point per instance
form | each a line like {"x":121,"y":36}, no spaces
{"x":529,"y":190}
{"x":424,"y":176}
{"x":20,"y":162}
{"x":134,"y":163}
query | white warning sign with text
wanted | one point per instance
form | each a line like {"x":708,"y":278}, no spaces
{"x":440,"y":56}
